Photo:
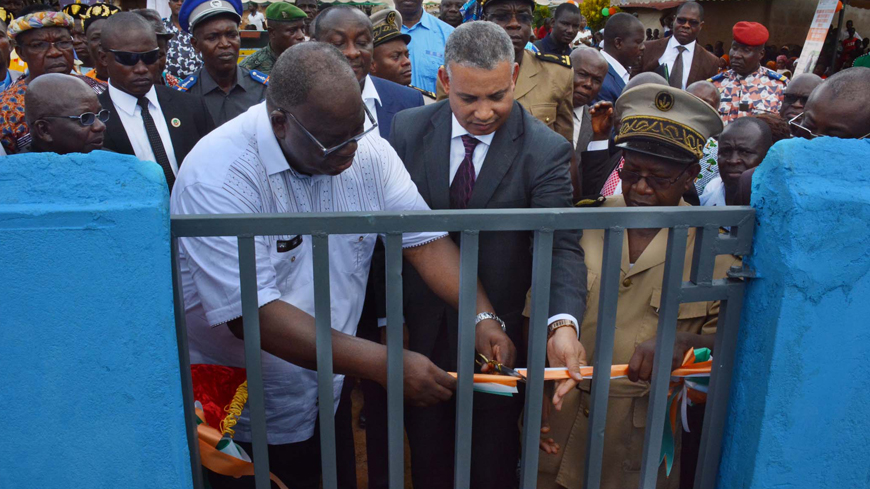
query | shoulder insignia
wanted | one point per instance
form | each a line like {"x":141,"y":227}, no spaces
{"x":776,"y":76}
{"x":591,"y":201}
{"x":552,"y":58}
{"x":426,"y":93}
{"x":187,"y":83}
{"x":717,"y":77}
{"x":260,"y":77}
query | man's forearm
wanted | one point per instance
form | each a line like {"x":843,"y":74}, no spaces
{"x":289,"y":333}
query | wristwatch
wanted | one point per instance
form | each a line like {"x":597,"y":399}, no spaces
{"x":551,"y":329}
{"x":488,"y":315}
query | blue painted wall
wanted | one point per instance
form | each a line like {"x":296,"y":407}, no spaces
{"x":801,"y":393}
{"x":88,"y":359}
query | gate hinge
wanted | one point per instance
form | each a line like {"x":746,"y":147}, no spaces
{"x":741,"y":272}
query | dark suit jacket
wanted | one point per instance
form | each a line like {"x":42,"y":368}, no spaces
{"x":612,"y":87}
{"x":191,"y":112}
{"x":526,"y":167}
{"x":704,"y":64}
{"x":394,"y":98}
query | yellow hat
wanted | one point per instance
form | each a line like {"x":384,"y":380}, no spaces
{"x":666,"y":122}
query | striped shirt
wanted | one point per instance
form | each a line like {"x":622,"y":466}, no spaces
{"x":240,"y":168}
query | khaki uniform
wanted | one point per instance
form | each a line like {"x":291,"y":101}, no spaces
{"x":636,"y":322}
{"x":545,"y":88}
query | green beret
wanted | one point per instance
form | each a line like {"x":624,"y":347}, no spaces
{"x":284,"y":12}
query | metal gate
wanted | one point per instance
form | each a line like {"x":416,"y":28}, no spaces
{"x":709,"y":243}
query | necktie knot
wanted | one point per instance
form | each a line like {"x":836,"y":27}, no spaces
{"x":469,"y":142}
{"x":682,"y":49}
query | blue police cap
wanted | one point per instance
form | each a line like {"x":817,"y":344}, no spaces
{"x":194,"y":11}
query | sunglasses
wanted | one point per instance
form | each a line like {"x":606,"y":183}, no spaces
{"x":655,"y":183}
{"x":791,"y":99}
{"x":127,"y":58}
{"x":324,"y":151}
{"x":683,"y":21}
{"x":86,"y":119}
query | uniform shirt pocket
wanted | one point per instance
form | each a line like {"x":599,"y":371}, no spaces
{"x":545,"y":113}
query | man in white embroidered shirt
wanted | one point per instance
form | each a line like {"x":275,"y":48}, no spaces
{"x":273,"y":159}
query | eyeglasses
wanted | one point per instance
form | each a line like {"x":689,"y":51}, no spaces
{"x":46,"y":45}
{"x":799,"y":130}
{"x":505,"y":17}
{"x":127,"y":58}
{"x":324,"y":151}
{"x":655,"y":183}
{"x":86,"y":119}
{"x":791,"y":99}
{"x":691,"y":22}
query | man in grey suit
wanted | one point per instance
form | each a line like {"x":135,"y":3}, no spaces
{"x":481,"y":150}
{"x":592,"y":125}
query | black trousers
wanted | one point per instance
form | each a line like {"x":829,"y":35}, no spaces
{"x":298,"y":464}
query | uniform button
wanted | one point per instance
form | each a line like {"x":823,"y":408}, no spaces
{"x":626,"y":282}
{"x":360,"y":239}
{"x":586,"y":412}
{"x":292,"y":259}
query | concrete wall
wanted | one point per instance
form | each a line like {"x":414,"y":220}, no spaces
{"x":88,"y":358}
{"x":801,"y":391}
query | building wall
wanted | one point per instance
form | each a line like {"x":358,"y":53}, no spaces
{"x":801,"y":385}
{"x":88,"y":362}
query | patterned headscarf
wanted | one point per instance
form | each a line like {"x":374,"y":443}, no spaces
{"x":38,"y":20}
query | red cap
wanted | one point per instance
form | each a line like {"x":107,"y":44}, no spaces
{"x":751,"y":33}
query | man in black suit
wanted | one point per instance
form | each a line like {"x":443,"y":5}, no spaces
{"x":149,"y":120}
{"x":695,"y":63}
{"x":481,"y":150}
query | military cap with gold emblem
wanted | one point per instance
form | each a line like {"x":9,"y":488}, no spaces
{"x":284,"y":12}
{"x":5,"y":16}
{"x":666,"y":122}
{"x":98,"y":11}
{"x":387,"y":25}
{"x":77,"y":11}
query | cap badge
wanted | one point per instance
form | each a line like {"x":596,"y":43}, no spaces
{"x":216,"y":3}
{"x":391,"y":20}
{"x":175,"y":121}
{"x":664,"y":101}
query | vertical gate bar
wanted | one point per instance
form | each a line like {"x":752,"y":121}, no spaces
{"x":537,"y":355}
{"x":719,"y":391}
{"x":468,"y":257}
{"x":253,"y":366}
{"x":704,"y":255}
{"x":610,"y":274}
{"x":184,"y":368}
{"x":395,"y":407}
{"x":325,"y":392}
{"x":665,"y":336}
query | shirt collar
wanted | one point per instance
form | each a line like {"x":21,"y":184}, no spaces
{"x":578,"y":112}
{"x":459,"y":131}
{"x":269,"y":150}
{"x":673,"y":43}
{"x":126,"y":102}
{"x":425,"y":23}
{"x":617,"y":66}
{"x":208,"y":83}
{"x":370,"y":92}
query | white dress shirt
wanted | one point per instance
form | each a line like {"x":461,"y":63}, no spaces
{"x":620,"y":70}
{"x":578,"y":123}
{"x":240,"y":168}
{"x":131,"y":118}
{"x":371,"y":99}
{"x":670,"y":56}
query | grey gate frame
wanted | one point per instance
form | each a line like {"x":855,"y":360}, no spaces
{"x":543,"y":222}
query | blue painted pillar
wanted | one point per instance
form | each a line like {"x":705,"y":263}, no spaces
{"x":89,"y":377}
{"x":801,"y":392}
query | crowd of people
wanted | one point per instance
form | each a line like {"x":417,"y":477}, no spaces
{"x":404,"y":111}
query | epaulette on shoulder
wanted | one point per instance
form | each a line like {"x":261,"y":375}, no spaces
{"x":552,"y":58}
{"x":426,"y":93}
{"x":260,"y":77}
{"x":717,"y":77}
{"x":591,"y":201}
{"x":776,"y":76}
{"x":187,"y":83}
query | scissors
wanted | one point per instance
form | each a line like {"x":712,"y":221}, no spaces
{"x":498,"y":368}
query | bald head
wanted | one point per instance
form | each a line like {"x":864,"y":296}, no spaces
{"x":645,"y":79}
{"x":337,"y":16}
{"x":797,"y":93}
{"x":42,"y":98}
{"x":123,"y":27}
{"x":590,"y":58}
{"x":707,"y":92}
{"x":305,"y":70}
{"x":838,"y":107}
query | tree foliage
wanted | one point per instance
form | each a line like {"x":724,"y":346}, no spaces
{"x":591,"y":9}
